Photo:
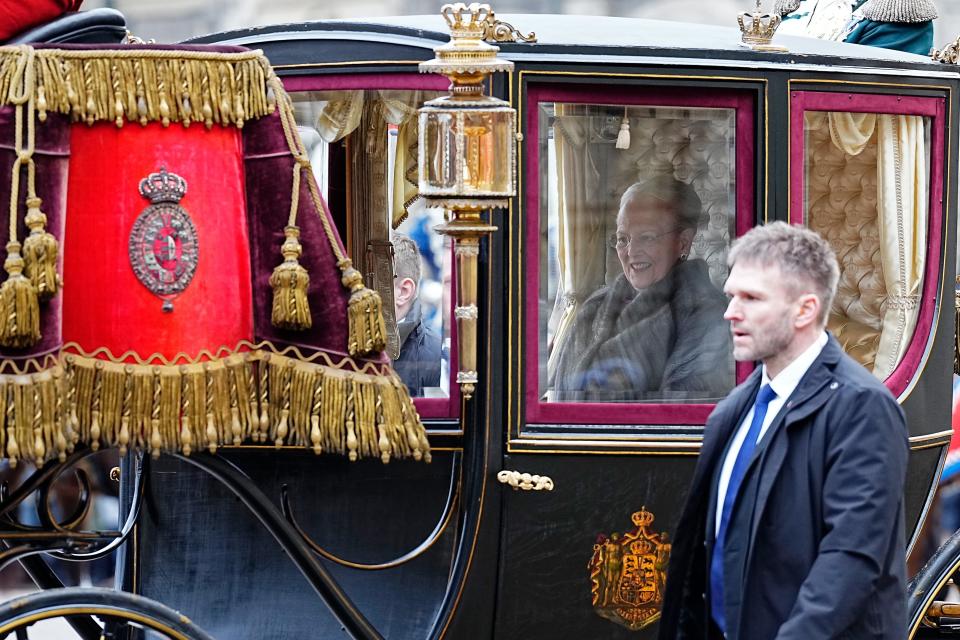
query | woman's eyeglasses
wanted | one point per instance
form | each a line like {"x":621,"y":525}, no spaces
{"x":620,"y":241}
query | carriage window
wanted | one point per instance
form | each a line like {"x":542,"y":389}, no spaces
{"x":866,"y":180}
{"x":637,"y":210}
{"x":363,"y":147}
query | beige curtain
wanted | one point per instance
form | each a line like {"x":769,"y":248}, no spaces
{"x":340,"y":115}
{"x":581,"y":225}
{"x":902,"y":213}
{"x":400,"y":109}
{"x":902,"y":204}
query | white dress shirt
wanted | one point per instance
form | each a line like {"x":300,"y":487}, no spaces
{"x":783,"y":385}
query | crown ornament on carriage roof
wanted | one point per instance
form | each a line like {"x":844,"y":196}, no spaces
{"x":758,"y":28}
{"x":642,"y":518}
{"x":479,"y":22}
{"x":163,"y":186}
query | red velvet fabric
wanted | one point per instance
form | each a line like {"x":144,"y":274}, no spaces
{"x":104,"y":305}
{"x":51,"y":156}
{"x":19,"y":15}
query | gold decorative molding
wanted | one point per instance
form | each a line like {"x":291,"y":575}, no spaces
{"x":499,"y":31}
{"x":950,"y":54}
{"x":525,"y":481}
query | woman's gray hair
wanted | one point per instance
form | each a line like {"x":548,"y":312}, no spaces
{"x":681,"y":197}
{"x":802,"y":255}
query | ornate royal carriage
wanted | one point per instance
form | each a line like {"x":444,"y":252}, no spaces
{"x":539,"y":516}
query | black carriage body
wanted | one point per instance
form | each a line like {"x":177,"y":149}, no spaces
{"x":523,"y":564}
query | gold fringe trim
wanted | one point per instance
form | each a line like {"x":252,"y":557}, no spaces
{"x":245,"y":397}
{"x":140,"y":85}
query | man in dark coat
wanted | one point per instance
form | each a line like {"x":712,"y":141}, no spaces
{"x":419,"y":362}
{"x":793,"y":527}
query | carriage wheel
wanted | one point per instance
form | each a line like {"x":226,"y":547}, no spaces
{"x":118,"y":612}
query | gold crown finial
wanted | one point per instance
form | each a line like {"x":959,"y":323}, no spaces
{"x":757,"y":29}
{"x":466,"y":59}
{"x":466,"y":20}
{"x":642,"y":518}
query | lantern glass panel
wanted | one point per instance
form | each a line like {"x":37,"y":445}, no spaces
{"x":467,"y":152}
{"x":439,"y":136}
{"x":486,"y":163}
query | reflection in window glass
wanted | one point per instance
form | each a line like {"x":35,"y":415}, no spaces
{"x":866,"y":191}
{"x":368,"y":140}
{"x":633,"y":256}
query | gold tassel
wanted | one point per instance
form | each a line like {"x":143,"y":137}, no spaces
{"x":40,"y":250}
{"x":20,"y":325}
{"x":364,"y":314}
{"x":289,"y":281}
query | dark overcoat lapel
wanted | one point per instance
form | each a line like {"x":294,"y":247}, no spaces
{"x":806,"y":399}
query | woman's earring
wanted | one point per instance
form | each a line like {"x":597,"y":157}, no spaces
{"x":683,"y":257}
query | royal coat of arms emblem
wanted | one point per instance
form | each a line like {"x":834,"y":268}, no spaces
{"x":628,"y":573}
{"x":163,"y":240}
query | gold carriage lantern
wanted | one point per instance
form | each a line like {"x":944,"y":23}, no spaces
{"x":467,"y":161}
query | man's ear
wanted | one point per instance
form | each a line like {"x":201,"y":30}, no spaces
{"x":809,"y":311}
{"x":405,"y":291}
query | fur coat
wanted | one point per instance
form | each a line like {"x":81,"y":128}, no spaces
{"x":666,"y":342}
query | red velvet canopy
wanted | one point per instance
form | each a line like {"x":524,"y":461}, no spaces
{"x":174,"y":279}
{"x":19,"y":15}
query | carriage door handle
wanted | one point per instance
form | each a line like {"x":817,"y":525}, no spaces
{"x":525,"y":481}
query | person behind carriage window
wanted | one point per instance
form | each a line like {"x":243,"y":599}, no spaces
{"x":419,"y":362}
{"x":657,"y":331}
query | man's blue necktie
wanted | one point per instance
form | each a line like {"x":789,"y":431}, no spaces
{"x":764,"y":397}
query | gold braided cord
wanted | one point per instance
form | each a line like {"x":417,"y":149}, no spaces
{"x":367,"y":332}
{"x":360,"y":413}
{"x":302,"y":162}
{"x":346,"y":363}
{"x":138,"y":85}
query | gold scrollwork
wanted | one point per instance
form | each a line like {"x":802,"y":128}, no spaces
{"x":499,"y":31}
{"x":628,"y":573}
{"x":525,"y":481}
{"x":950,"y":54}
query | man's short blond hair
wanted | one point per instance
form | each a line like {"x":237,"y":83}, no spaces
{"x":803,"y":257}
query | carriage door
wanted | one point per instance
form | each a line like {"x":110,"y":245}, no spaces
{"x":621,"y":350}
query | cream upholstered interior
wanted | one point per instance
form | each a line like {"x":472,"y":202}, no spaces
{"x":841,"y":205}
